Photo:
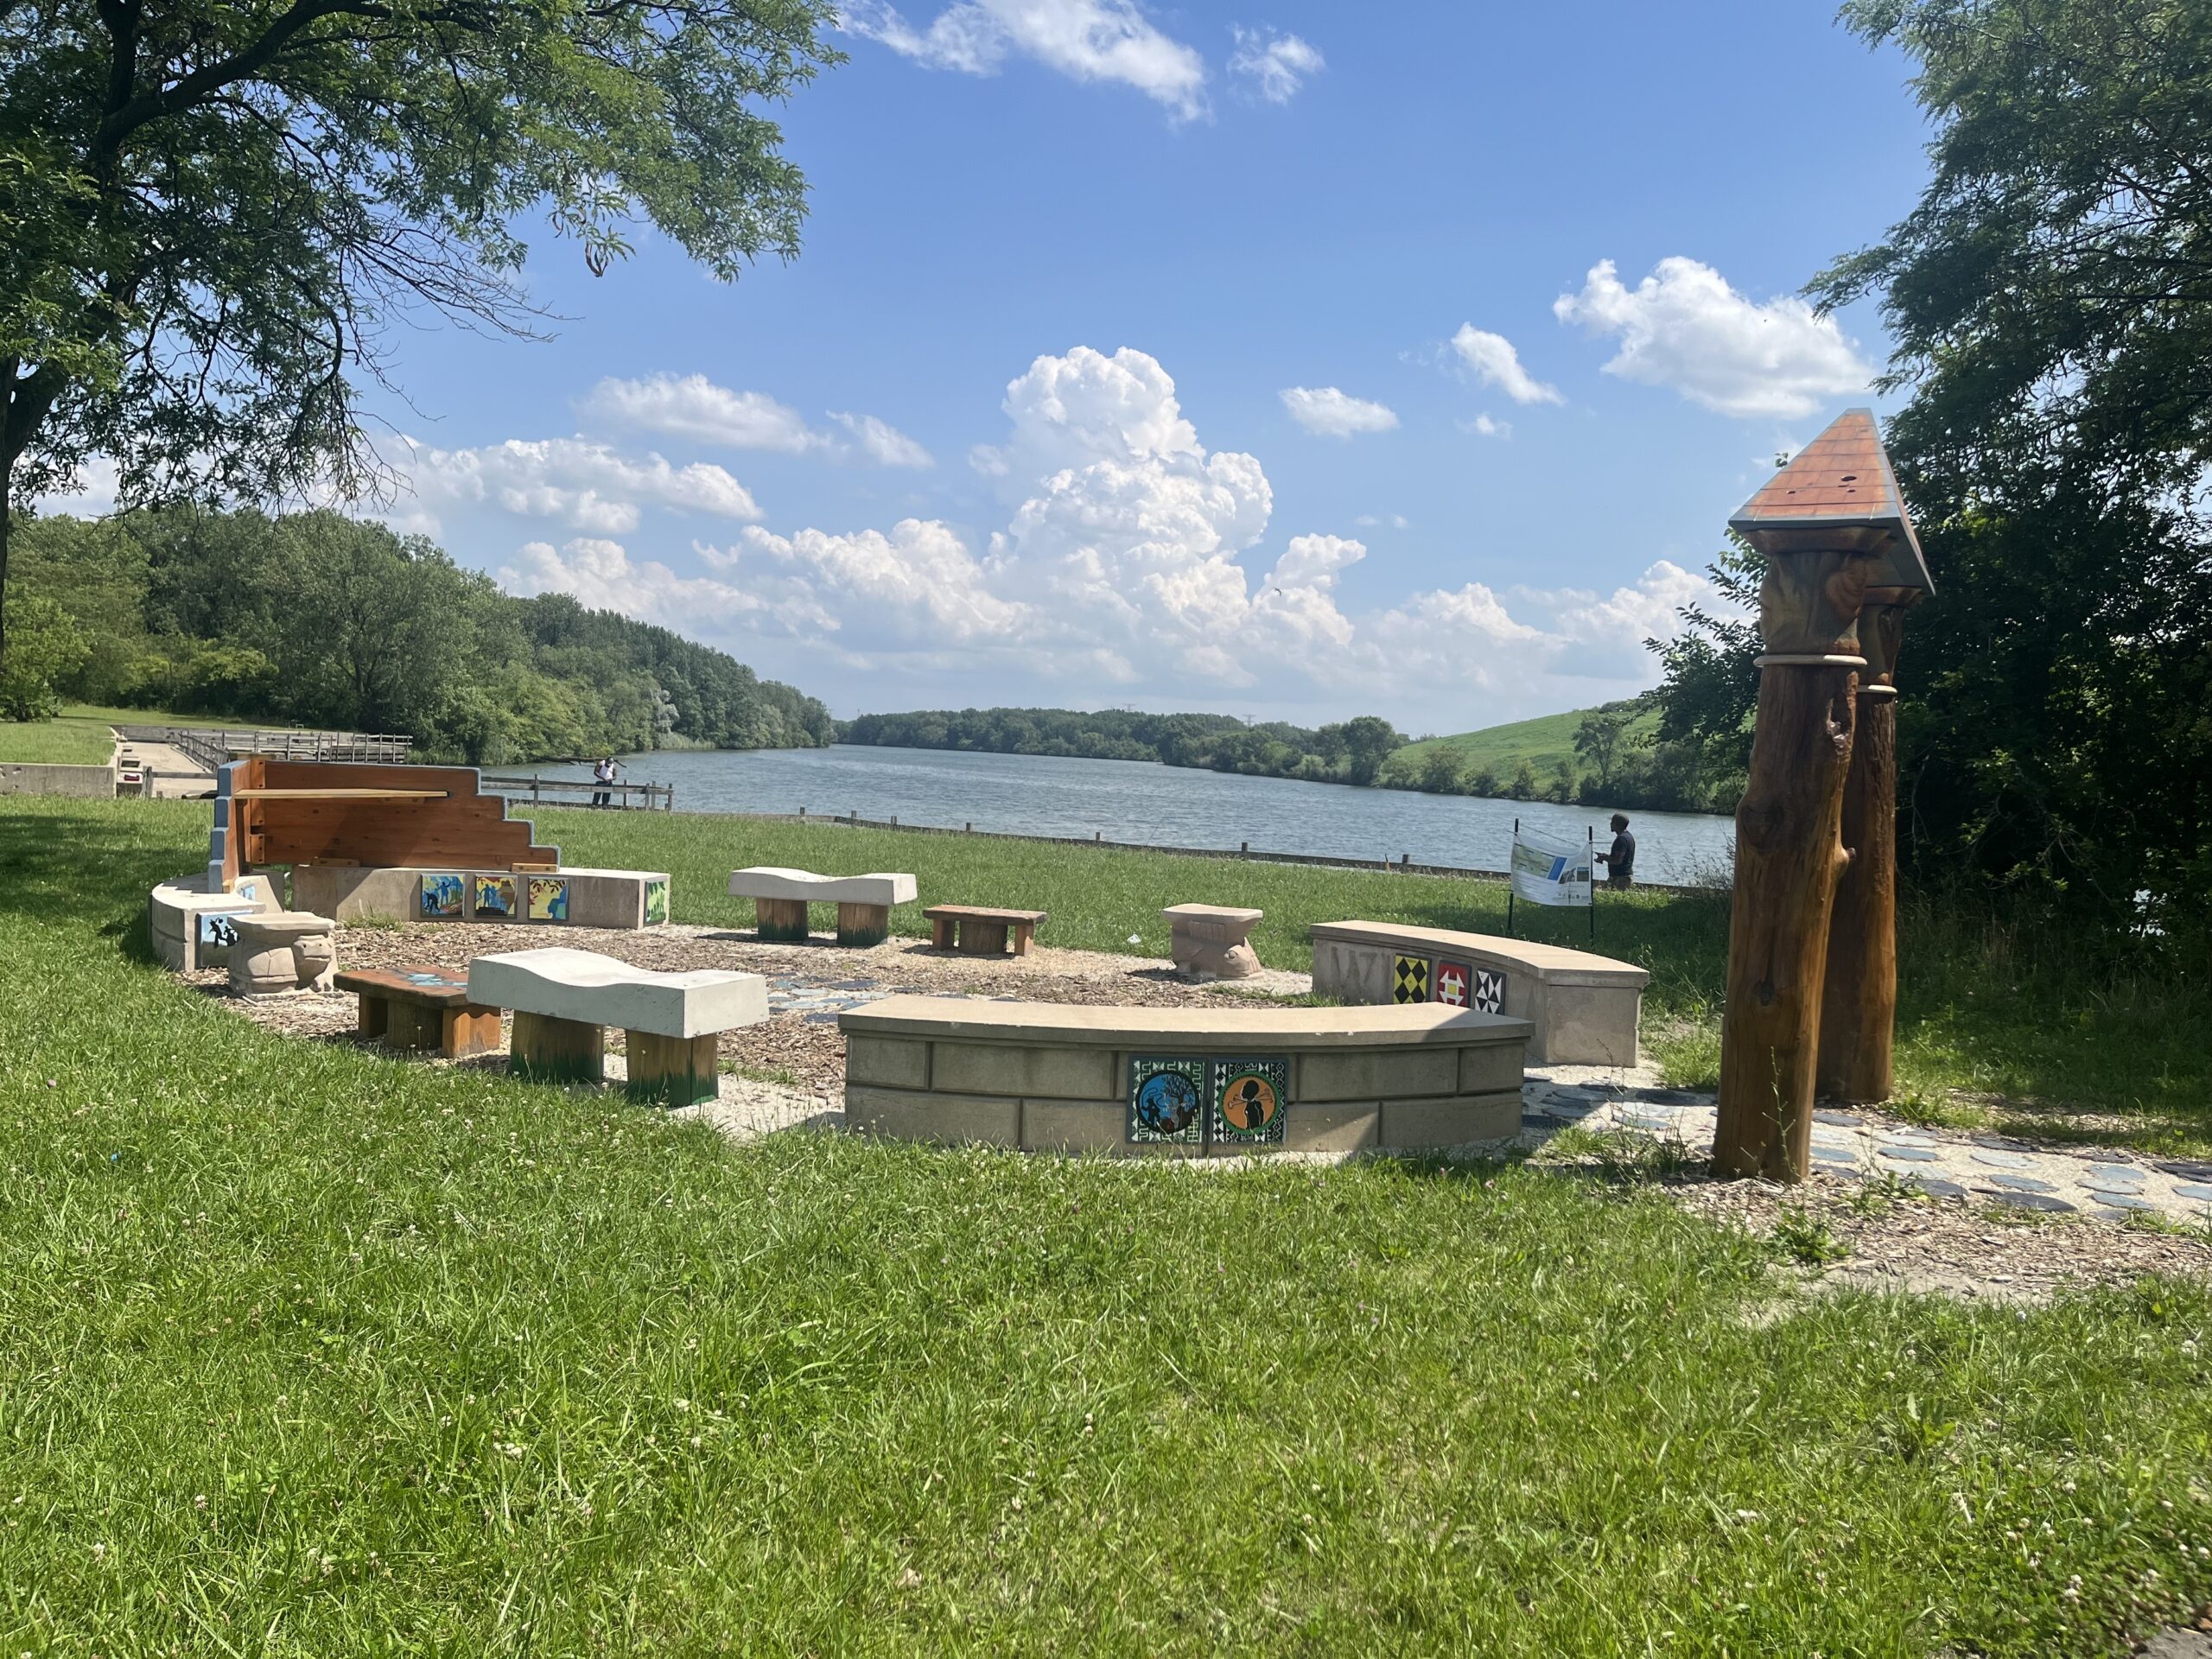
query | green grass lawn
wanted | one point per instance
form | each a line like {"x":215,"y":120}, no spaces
{"x":79,"y":735}
{"x":1982,"y":1013}
{"x":1543,"y":742}
{"x":307,"y":1352}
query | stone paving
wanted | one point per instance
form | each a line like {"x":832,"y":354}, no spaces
{"x":1856,"y":1145}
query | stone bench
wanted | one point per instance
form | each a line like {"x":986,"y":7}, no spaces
{"x":780,"y":898}
{"x":1181,"y":1081}
{"x":277,"y":951}
{"x":564,"y":1000}
{"x":191,"y":926}
{"x":423,"y":1008}
{"x":980,"y":930}
{"x":1582,"y":1009}
{"x":1211,"y":941}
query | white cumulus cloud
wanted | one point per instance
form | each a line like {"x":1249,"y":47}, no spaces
{"x":1684,"y":327}
{"x":883,"y":443}
{"x":692,"y":406}
{"x":587,"y":486}
{"x":1486,"y":426}
{"x":1332,"y":413}
{"x":1084,"y":40}
{"x":1493,"y":362}
{"x":1276,"y":64}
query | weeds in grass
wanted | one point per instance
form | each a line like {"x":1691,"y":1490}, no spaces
{"x":782,"y":1075}
{"x":1938,"y":1110}
{"x":1804,"y":1238}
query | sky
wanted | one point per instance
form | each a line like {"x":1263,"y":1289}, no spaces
{"x":1287,"y":359}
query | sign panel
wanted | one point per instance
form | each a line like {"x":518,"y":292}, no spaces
{"x":1549,"y":870}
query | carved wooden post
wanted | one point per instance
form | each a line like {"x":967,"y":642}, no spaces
{"x":1831,"y":525}
{"x":1858,"y":1003}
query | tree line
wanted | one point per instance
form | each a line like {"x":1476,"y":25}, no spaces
{"x":316,"y":619}
{"x":2051,"y":301}
{"x":1350,"y":751}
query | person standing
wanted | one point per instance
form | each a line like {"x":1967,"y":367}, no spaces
{"x":603,"y":774}
{"x":1620,"y":862}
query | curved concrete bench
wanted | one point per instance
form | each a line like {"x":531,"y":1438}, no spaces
{"x":192,"y":927}
{"x":1583,"y":1009}
{"x":1051,"y":1078}
{"x":564,"y":1000}
{"x":780,"y":898}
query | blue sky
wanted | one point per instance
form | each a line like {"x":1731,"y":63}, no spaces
{"x":1258,"y":356}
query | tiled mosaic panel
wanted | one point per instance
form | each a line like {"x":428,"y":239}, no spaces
{"x":1167,"y":1100}
{"x":656,"y":903}
{"x":442,"y":897}
{"x":548,"y":898}
{"x":1248,"y":1098}
{"x":495,"y":897}
{"x":1452,"y":979}
{"x":1490,"y":990}
{"x":219,"y":927}
{"x":1409,"y":980}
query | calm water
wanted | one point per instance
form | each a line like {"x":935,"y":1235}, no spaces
{"x":1163,"y":806}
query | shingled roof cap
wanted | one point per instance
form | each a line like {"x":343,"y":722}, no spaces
{"x":1838,"y":494}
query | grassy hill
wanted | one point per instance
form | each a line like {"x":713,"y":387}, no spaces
{"x":1543,"y":742}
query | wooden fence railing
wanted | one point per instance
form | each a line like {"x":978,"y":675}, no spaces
{"x":634,"y":798}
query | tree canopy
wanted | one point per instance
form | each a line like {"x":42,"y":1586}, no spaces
{"x":213,"y":212}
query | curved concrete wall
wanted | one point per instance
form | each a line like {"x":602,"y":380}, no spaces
{"x":1051,"y":1078}
{"x":1583,"y":1009}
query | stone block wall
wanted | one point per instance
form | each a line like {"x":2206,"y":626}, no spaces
{"x":1060,"y":1080}
{"x":1583,"y":1009}
{"x":563,"y":897}
{"x":81,"y":783}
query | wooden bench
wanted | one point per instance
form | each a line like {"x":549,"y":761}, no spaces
{"x":980,"y":931}
{"x":564,"y":1000}
{"x":422,"y":1009}
{"x":780,"y":898}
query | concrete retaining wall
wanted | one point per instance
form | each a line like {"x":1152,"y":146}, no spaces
{"x":1049,"y":1078}
{"x":1582,"y":1009}
{"x":82,"y":783}
{"x":569,"y":898}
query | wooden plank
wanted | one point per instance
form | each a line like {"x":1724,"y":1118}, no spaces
{"x":340,"y":794}
{"x":557,"y":1051}
{"x":986,"y":913}
{"x":671,"y":1070}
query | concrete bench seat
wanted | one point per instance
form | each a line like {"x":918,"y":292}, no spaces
{"x":1583,"y":1009}
{"x":1049,"y":1077}
{"x":780,"y":898}
{"x":981,"y":931}
{"x":279,"y":950}
{"x":564,"y":1000}
{"x":192,"y":927}
{"x":1212,"y":941}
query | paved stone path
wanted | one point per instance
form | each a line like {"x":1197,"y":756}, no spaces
{"x":1983,"y":1168}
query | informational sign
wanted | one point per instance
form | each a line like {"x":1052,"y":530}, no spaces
{"x":1550,"y":870}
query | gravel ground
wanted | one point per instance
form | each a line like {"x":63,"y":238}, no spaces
{"x":789,"y":1073}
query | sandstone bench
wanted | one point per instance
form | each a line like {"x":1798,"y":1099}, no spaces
{"x":1211,"y":941}
{"x":780,"y":898}
{"x":564,"y":1000}
{"x":1582,"y":1009}
{"x":980,"y":931}
{"x":1181,"y":1081}
{"x":423,"y":1008}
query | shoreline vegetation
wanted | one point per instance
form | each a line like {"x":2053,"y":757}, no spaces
{"x":1607,"y":756}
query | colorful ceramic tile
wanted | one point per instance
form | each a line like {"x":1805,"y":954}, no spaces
{"x":656,"y":903}
{"x":1167,"y":1100}
{"x":548,"y":898}
{"x":1490,"y":990}
{"x":1409,"y":980}
{"x":1452,"y":980}
{"x":440,"y":900}
{"x":1249,"y":1096}
{"x":495,"y":897}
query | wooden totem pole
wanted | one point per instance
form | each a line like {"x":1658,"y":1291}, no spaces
{"x":1831,"y":525}
{"x":1858,"y":1002}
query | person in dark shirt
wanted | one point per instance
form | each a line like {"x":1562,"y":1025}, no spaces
{"x":1620,"y":863}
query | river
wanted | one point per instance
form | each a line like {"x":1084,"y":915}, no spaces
{"x":1164,"y":806}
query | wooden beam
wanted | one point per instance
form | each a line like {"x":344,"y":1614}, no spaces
{"x":341,"y":794}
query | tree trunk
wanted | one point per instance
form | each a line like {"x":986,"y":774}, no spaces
{"x":1860,"y":1000}
{"x":1788,"y":854}
{"x":1858,"y":1003}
